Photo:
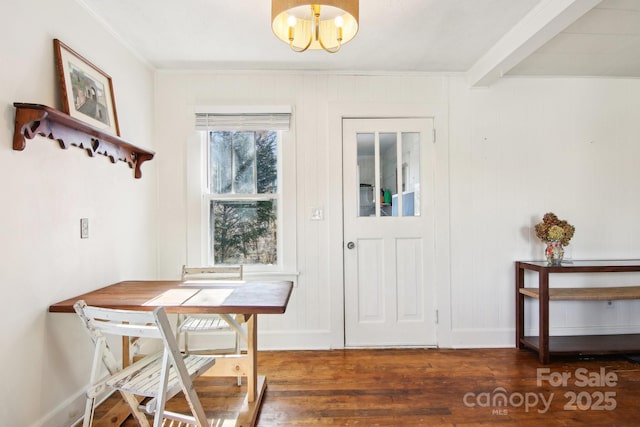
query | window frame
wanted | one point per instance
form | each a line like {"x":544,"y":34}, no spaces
{"x":198,"y":199}
{"x":210,"y":196}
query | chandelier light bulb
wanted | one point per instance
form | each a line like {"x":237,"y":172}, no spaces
{"x":317,"y":25}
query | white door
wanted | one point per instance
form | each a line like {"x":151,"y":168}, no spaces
{"x":388,"y":192}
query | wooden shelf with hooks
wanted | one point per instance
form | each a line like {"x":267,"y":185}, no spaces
{"x":37,"y":119}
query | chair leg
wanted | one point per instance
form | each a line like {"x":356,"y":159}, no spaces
{"x":173,"y":356}
{"x":89,"y":409}
{"x":179,"y":319}
{"x":162,"y":395}
{"x":88,"y":412}
{"x":133,"y":407}
{"x":238,"y":352}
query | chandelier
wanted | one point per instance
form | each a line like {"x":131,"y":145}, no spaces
{"x":326,"y":25}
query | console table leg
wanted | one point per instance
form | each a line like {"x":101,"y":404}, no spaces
{"x":519,"y":306}
{"x":543,"y":302}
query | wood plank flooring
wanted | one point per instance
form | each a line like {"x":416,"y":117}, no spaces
{"x":428,"y":387}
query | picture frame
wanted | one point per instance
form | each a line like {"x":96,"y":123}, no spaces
{"x":86,"y":91}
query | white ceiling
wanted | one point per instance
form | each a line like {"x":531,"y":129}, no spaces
{"x":484,"y":38}
{"x":604,"y":42}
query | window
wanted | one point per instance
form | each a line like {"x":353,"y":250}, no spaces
{"x":243,"y":196}
{"x":236,"y":180}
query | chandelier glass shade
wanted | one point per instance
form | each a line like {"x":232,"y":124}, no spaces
{"x":326,"y":25}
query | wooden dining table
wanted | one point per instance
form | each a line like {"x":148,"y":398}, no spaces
{"x":245,"y":299}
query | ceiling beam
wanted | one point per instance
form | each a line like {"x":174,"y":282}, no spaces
{"x":546,"y":20}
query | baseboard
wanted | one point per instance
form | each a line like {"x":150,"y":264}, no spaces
{"x":500,"y":338}
{"x":68,"y":413}
{"x":269,"y":340}
{"x":479,"y":338}
{"x":306,"y":340}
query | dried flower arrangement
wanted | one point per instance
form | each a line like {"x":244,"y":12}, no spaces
{"x":553,"y":229}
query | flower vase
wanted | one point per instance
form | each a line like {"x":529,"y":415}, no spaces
{"x":554,"y":252}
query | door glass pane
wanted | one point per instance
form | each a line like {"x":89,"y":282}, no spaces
{"x":383,"y":174}
{"x":366,"y":174}
{"x":410,"y":176}
{"x":388,"y":171}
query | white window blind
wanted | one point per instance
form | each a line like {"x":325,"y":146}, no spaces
{"x":250,"y":121}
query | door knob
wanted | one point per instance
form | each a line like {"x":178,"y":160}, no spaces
{"x":351,"y":245}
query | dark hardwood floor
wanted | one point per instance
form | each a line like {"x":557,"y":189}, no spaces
{"x":427,"y":387}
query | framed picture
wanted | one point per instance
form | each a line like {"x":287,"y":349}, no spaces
{"x":86,"y":90}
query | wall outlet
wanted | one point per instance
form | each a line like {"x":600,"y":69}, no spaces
{"x":84,"y":228}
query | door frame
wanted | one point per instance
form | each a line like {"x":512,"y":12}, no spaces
{"x":439,"y":112}
{"x":393,"y":327}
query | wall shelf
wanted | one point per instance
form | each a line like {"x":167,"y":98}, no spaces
{"x":37,"y":119}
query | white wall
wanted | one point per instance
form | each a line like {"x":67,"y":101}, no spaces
{"x":529,"y":146}
{"x":506,"y":155}
{"x":46,"y":190}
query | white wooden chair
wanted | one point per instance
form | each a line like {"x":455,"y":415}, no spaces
{"x":211,"y":324}
{"x":156,"y":377}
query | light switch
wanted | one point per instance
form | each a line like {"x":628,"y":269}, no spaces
{"x":84,"y":228}
{"x":317,"y":214}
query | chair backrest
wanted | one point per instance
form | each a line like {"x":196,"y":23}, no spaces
{"x":100,"y":322}
{"x":119,"y":322}
{"x":218,"y":272}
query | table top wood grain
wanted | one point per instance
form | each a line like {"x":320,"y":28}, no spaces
{"x":242,"y":297}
